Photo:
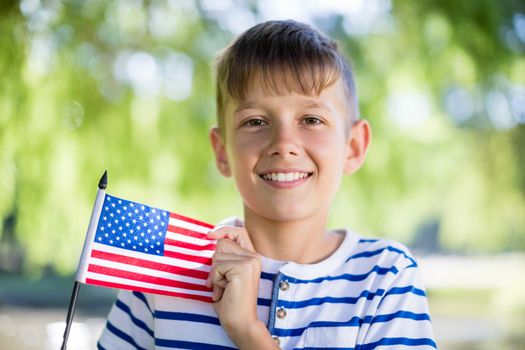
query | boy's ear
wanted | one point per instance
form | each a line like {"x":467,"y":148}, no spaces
{"x":221,"y":157}
{"x":357,"y":143}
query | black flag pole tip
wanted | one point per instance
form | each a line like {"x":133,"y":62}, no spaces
{"x":103,"y":183}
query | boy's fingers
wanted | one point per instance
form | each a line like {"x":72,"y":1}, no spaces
{"x":225,"y":264}
{"x":236,"y":234}
{"x":225,"y":257}
{"x":217,"y":293}
{"x":225,"y":245}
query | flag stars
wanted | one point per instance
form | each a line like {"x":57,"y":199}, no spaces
{"x":133,"y":226}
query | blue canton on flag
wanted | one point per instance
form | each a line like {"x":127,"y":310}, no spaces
{"x":133,"y":226}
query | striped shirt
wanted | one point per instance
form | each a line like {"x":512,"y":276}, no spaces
{"x":368,"y":294}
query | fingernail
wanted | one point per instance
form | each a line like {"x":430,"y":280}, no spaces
{"x":213,"y":230}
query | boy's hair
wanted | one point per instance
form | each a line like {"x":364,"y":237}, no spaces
{"x":284,"y":55}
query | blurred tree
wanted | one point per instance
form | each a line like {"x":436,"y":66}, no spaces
{"x":127,"y":86}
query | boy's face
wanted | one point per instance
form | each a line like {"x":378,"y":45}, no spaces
{"x":287,"y":153}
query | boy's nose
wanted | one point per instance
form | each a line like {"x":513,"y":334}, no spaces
{"x":283,"y":143}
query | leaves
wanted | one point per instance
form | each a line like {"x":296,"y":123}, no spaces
{"x":128,"y":87}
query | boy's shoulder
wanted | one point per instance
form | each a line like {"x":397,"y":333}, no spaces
{"x":370,"y":243}
{"x":380,"y":251}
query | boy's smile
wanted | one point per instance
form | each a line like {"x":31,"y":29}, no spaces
{"x":285,"y":178}
{"x":287,"y":153}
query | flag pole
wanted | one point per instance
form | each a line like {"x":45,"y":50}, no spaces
{"x":102,"y":184}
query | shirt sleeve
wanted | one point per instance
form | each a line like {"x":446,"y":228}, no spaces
{"x":402,"y":318}
{"x":130,"y":323}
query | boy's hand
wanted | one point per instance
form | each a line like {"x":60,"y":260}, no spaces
{"x":235,"y":274}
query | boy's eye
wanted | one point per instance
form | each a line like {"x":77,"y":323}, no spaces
{"x":254,"y":123}
{"x":310,"y":120}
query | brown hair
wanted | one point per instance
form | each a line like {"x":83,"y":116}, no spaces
{"x":283,"y":54}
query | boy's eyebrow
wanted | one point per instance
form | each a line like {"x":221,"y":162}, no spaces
{"x":244,"y":105}
{"x":316,"y":104}
{"x":308,"y":104}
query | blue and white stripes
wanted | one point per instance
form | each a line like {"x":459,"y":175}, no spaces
{"x":366,"y":295}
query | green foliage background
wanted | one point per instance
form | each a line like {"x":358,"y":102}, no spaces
{"x":67,"y":113}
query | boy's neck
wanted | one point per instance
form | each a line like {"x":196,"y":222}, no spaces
{"x":304,"y":241}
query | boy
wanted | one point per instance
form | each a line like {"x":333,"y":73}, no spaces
{"x":288,"y":129}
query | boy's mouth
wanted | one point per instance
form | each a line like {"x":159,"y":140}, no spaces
{"x":285,"y":176}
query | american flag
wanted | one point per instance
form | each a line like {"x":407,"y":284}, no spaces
{"x":137,"y":247}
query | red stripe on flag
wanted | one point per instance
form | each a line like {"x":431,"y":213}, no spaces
{"x":148,"y":290}
{"x":187,"y":232}
{"x":198,"y":247}
{"x":193,"y":258}
{"x":108,"y":271}
{"x":150,"y":264}
{"x":190,"y":220}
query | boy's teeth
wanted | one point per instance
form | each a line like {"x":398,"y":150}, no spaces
{"x":284,"y":177}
